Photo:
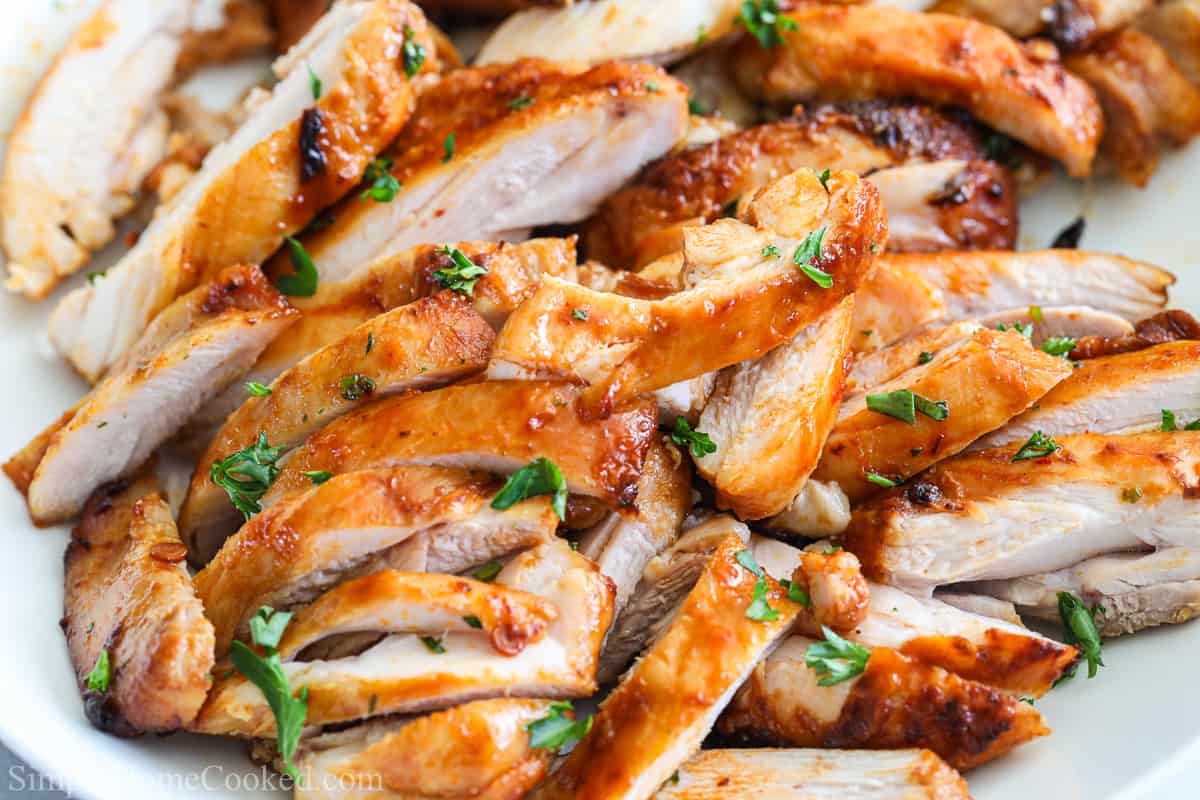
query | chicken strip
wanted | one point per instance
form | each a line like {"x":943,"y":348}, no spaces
{"x":1081,"y":24}
{"x":492,"y":152}
{"x":1147,"y":101}
{"x":1061,"y":322}
{"x":966,"y":390}
{"x":611,"y":29}
{"x":478,"y":750}
{"x":986,"y":516}
{"x":795,"y":774}
{"x":131,"y":617}
{"x":878,"y":367}
{"x":687,"y":677}
{"x":769,"y":418}
{"x":403,"y":674}
{"x":1021,"y":18}
{"x":292,"y":156}
{"x":1166,"y":326}
{"x":1175,"y":25}
{"x":625,"y":541}
{"x":1115,"y":394}
{"x":1130,"y":591}
{"x":750,"y":286}
{"x":92,"y":130}
{"x":867,"y":52}
{"x":697,"y":186}
{"x":193,"y":350}
{"x":426,"y":344}
{"x":895,"y":701}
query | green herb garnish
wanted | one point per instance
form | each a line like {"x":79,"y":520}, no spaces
{"x":764,"y":22}
{"x":256,"y":389}
{"x":355,"y":387}
{"x":808,"y":254}
{"x":538,"y":477}
{"x":247,"y":474}
{"x":98,"y":679}
{"x":700,"y":444}
{"x":556,"y":730}
{"x":383,"y":185}
{"x":460,"y":277}
{"x":1039,"y":445}
{"x":412,"y":52}
{"x":836,"y":659}
{"x":302,"y":282}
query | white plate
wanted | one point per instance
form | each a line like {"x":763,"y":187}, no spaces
{"x":1134,"y":731}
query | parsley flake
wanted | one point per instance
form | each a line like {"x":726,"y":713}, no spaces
{"x":448,"y":147}
{"x":247,"y":474}
{"x":1058,"y":345}
{"x":1080,"y":624}
{"x":412,"y":52}
{"x":836,"y":659}
{"x":808,"y":254}
{"x":698,"y":443}
{"x":317,"y":476}
{"x":383,"y":185}
{"x":462,"y":275}
{"x":303,"y":282}
{"x":580,"y":314}
{"x":256,"y":389}
{"x":1039,"y":445}
{"x":314,"y":83}
{"x":356,"y":387}
{"x":433,"y":644}
{"x":556,"y":730}
{"x":925,"y":357}
{"x":881,"y":480}
{"x":519,"y":103}
{"x":903,"y":404}
{"x":98,"y":679}
{"x":764,"y":22}
{"x":488,"y":572}
{"x":538,"y":477}
{"x":824,"y":179}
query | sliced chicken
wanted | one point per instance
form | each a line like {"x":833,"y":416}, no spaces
{"x":795,"y":774}
{"x":866,"y":52}
{"x":697,"y":186}
{"x":611,"y":29}
{"x":337,"y":308}
{"x":129,"y":605}
{"x":423,"y":345}
{"x":1175,"y":25}
{"x":1000,"y":654}
{"x":879,"y":367}
{"x":403,"y":674}
{"x":818,"y":510}
{"x":1021,"y":18}
{"x":896,"y":702}
{"x":742,"y":287}
{"x":292,"y":156}
{"x":238,"y":29}
{"x":686,"y":677}
{"x":981,"y":383}
{"x":479,"y":749}
{"x":1061,"y":322}
{"x":769,"y":418}
{"x":293,"y":19}
{"x":624,"y":542}
{"x":983,"y":516}
{"x":1166,"y":326}
{"x":359,"y":523}
{"x":492,"y":152}
{"x":92,"y":130}
{"x":1081,"y":24}
{"x":1131,"y":591}
{"x":193,"y":350}
{"x":896,"y":302}
{"x":1114,"y":394}
{"x":1147,"y":101}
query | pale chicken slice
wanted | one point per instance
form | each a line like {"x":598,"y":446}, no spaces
{"x":423,"y":345}
{"x":1131,"y":591}
{"x":867,"y":52}
{"x":630,"y":30}
{"x":742,"y":285}
{"x":402,"y":674}
{"x":193,"y":350}
{"x":797,"y":774}
{"x":1021,"y":18}
{"x":1074,"y":24}
{"x":1114,"y":394}
{"x":699,"y":185}
{"x":358,"y":523}
{"x":983,"y":516}
{"x":1061,"y":322}
{"x":893,"y":303}
{"x":492,"y":152}
{"x":129,"y":601}
{"x":818,"y":510}
{"x":1175,"y":25}
{"x":984,"y":381}
{"x":625,"y":541}
{"x":685,"y":679}
{"x":1001,"y":654}
{"x":878,"y":367}
{"x":896,"y":702}
{"x":337,"y":308}
{"x":292,"y":156}
{"x":769,"y":418}
{"x":1148,"y":102}
{"x":478,"y":750}
{"x":92,"y":130}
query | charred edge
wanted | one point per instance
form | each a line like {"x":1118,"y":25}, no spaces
{"x":312,"y":157}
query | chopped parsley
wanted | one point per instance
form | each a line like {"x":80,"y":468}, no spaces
{"x":903,"y":404}
{"x":448,"y":147}
{"x":247,"y":475}
{"x":356,"y":387}
{"x":771,"y":251}
{"x":473,"y":622}
{"x":696,"y":108}
{"x":651,"y":86}
{"x":881,"y":480}
{"x":759,"y":609}
{"x":266,"y":672}
{"x":1023,"y":328}
{"x":764,"y":22}
{"x":370,"y":343}
{"x":92,"y":277}
{"x":697,"y":442}
{"x":580,"y":314}
{"x":488,"y":572}
{"x":796,"y":593}
{"x":836,"y":659}
{"x":808,"y":254}
{"x":1035,"y":313}
{"x":925,"y":357}
{"x":556,"y":730}
{"x":302,"y":282}
{"x":1039,"y":445}
{"x":256,"y":389}
{"x":317,"y":476}
{"x":433,"y":644}
{"x":412,"y":52}
{"x":1058,"y":345}
{"x":462,"y":275}
{"x":1131,"y":494}
{"x":98,"y":679}
{"x":538,"y":477}
{"x":519,"y":103}
{"x":824,"y":179}
{"x":383,"y":185}
{"x":314,"y":83}
{"x":1080,"y":624}
{"x":1170,"y":424}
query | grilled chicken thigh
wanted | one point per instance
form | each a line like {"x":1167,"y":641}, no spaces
{"x":423,"y":345}
{"x":1074,"y":24}
{"x":1173,"y":325}
{"x":1114,"y":394}
{"x":644,"y":220}
{"x":1061,"y":322}
{"x":867,"y":52}
{"x":130,"y":603}
{"x":1175,"y":25}
{"x":743,"y":285}
{"x":492,"y":152}
{"x":1021,"y":18}
{"x":984,"y":516}
{"x":401,"y":674}
{"x":769,"y":418}
{"x":479,"y":749}
{"x":1147,"y":101}
{"x":293,"y":155}
{"x":193,"y":350}
{"x":91,"y":132}
{"x":666,"y":704}
{"x":796,"y":774}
